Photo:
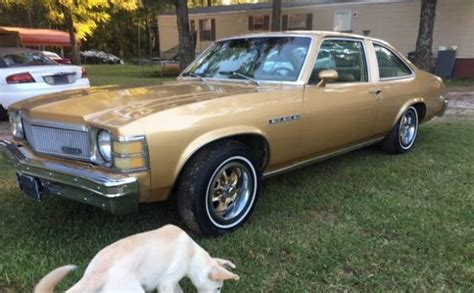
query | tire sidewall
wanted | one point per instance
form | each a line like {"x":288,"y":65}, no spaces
{"x":201,"y":209}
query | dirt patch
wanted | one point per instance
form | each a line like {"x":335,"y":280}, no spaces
{"x":461,"y":102}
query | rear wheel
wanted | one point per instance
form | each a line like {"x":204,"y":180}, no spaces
{"x":403,"y":135}
{"x":218,"y":188}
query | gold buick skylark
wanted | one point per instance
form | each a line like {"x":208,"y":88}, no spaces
{"x":247,"y":108}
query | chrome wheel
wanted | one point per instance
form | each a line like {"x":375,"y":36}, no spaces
{"x":408,"y":128}
{"x":231,"y":192}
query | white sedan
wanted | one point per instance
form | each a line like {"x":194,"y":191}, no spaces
{"x":26,"y":73}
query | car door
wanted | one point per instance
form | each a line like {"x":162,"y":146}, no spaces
{"x":346,"y":111}
{"x":395,"y":79}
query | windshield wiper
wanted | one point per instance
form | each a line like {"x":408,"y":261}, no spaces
{"x":200,"y":77}
{"x":240,"y":74}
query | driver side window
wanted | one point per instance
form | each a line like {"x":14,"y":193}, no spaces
{"x":347,"y":57}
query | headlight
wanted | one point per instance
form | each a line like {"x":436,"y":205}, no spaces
{"x":104,"y":142}
{"x":16,"y":125}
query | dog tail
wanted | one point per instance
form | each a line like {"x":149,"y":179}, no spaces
{"x":49,"y":282}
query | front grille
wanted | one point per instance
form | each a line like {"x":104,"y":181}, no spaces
{"x":57,"y":141}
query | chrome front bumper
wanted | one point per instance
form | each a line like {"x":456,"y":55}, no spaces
{"x":116,"y":193}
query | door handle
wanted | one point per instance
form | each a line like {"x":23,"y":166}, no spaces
{"x":375,"y":91}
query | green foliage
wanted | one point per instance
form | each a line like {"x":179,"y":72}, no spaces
{"x":86,"y":14}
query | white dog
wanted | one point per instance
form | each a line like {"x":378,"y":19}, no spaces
{"x":157,"y":259}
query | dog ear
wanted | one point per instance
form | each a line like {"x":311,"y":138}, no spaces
{"x":225,"y":263}
{"x":219,"y":273}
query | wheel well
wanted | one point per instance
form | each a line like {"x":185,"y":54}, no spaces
{"x":257,"y":143}
{"x":421,"y":109}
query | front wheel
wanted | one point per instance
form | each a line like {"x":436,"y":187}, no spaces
{"x":218,"y":188}
{"x":403,"y":135}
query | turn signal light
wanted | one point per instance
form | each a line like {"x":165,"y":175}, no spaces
{"x":130,"y":163}
{"x":24,"y":77}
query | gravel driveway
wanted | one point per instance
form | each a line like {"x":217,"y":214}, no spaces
{"x":461,"y":103}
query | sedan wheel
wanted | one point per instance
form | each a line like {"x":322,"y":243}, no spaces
{"x":218,"y":188}
{"x":231,"y":192}
{"x":403,"y":135}
{"x":408,"y":128}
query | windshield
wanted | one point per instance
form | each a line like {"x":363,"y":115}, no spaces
{"x":26,"y":59}
{"x":259,"y":59}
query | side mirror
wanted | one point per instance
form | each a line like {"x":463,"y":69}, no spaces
{"x":326,"y":76}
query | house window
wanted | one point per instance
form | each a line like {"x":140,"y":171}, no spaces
{"x":259,"y":22}
{"x":192,"y":26}
{"x":343,"y":21}
{"x":297,"y":22}
{"x":207,"y":30}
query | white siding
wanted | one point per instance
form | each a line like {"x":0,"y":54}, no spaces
{"x":396,"y":23}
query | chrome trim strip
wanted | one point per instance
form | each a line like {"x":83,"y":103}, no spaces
{"x":54,"y":124}
{"x":129,"y":138}
{"x":125,"y":156}
{"x":320,"y":158}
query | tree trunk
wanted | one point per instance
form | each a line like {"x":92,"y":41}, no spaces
{"x":72,"y":37}
{"x":424,"y":44}
{"x":209,"y":3}
{"x":186,"y":50}
{"x":276,"y":16}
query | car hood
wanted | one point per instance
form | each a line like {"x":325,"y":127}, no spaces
{"x":116,"y":106}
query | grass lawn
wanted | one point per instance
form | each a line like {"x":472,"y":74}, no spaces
{"x":361,"y":221}
{"x":129,"y":75}
{"x":459,"y":83}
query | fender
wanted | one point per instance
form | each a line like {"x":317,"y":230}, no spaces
{"x":405,"y":106}
{"x":213,"y":136}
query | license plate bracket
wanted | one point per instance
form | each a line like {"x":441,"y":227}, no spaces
{"x":31,"y":186}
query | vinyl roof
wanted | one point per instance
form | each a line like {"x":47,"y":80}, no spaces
{"x":268,"y":5}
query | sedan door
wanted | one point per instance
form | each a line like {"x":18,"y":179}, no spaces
{"x":344,"y":112}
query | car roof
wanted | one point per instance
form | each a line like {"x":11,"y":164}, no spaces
{"x":13,"y":50}
{"x":306,"y":34}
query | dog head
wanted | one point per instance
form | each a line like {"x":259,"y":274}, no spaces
{"x":217,"y":273}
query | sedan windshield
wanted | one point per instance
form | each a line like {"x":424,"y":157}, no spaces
{"x":25,"y":59}
{"x":253,"y":59}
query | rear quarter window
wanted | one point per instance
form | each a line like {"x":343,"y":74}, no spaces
{"x":390,"y":65}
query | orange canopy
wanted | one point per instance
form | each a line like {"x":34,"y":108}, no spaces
{"x":38,"y":37}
